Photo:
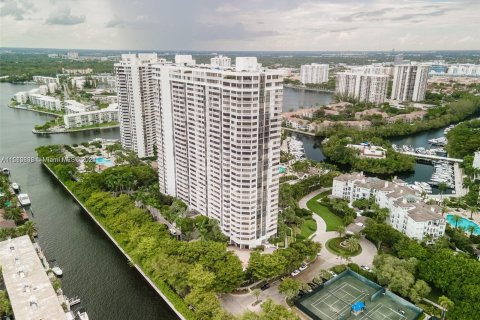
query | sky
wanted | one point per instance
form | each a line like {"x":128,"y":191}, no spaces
{"x":250,"y":25}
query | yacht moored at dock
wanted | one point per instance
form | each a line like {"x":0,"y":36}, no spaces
{"x":24,"y":199}
{"x":15,"y":187}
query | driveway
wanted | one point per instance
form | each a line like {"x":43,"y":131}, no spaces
{"x":327,"y":259}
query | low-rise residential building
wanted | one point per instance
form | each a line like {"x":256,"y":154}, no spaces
{"x":52,"y":87}
{"x":21,"y":97}
{"x":476,"y":165}
{"x":72,"y":106}
{"x":408,"y":213}
{"x":30,"y":291}
{"x":88,"y":118}
{"x":77,"y":71}
{"x":408,"y":117}
{"x":44,"y":80}
{"x":369,"y":151}
{"x":45,"y":102}
{"x":298,"y":123}
{"x":370,"y":112}
{"x":361,"y":124}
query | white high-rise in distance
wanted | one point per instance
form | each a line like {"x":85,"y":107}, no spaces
{"x":363,"y":87}
{"x":314,"y":73}
{"x":218,"y":140}
{"x":409,"y":82}
{"x":134,"y":84}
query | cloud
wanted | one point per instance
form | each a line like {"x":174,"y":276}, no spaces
{"x":63,"y":17}
{"x":365,"y":14}
{"x":15,"y":9}
{"x":237,"y":31}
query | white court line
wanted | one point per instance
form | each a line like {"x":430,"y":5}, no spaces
{"x":337,"y":311}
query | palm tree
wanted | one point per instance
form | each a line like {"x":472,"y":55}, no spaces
{"x":256,"y":293}
{"x":456,"y":218}
{"x":444,"y":210}
{"x":472,"y":210}
{"x":29,"y":228}
{"x":471,"y":229}
{"x":341,"y":231}
{"x":13,"y":214}
{"x":352,"y":244}
{"x":446,"y":304}
{"x":442,"y":186}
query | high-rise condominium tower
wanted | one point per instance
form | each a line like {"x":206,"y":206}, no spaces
{"x":409,"y":82}
{"x":135,"y":102}
{"x":218,"y":141}
{"x":314,"y":73}
{"x":363,"y":87}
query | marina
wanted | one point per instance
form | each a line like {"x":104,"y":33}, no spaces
{"x":92,"y":267}
{"x":295,"y":148}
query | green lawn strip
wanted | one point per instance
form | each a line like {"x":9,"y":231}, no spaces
{"x":332,"y":221}
{"x":307,"y":228}
{"x":333,"y":245}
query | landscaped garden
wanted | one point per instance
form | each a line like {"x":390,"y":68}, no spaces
{"x":344,"y":246}
{"x":333,"y":221}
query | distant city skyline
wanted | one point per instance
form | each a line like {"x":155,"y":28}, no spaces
{"x":252,"y":25}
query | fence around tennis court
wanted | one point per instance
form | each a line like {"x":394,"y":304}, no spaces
{"x":333,"y":300}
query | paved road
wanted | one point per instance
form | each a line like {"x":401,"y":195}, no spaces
{"x":327,"y":259}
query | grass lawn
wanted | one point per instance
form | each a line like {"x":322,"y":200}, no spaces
{"x":333,"y":221}
{"x":308,"y":228}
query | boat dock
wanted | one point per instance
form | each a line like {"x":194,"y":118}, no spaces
{"x":429,"y":157}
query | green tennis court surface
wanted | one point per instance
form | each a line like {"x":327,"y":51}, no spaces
{"x":334,"y":300}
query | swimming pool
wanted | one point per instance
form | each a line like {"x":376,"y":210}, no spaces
{"x":103,"y":161}
{"x":282,"y":169}
{"x":463,"y":223}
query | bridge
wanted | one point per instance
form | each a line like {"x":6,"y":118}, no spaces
{"x":299,"y":131}
{"x":431,"y":157}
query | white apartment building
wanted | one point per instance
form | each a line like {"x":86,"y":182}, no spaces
{"x":409,"y":82}
{"x":363,"y":87}
{"x":372,"y":69}
{"x":45,"y":102}
{"x":218,"y":141}
{"x":21,"y":97}
{"x":408,"y":213}
{"x":90,"y":117}
{"x":135,"y":93}
{"x":52,"y":87}
{"x":314,"y":73}
{"x":466,"y":69}
{"x":221,"y":61}
{"x":44,"y":80}
{"x":73,"y":106}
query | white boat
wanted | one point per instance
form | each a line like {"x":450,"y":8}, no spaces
{"x":15,"y":187}
{"x":81,"y":314}
{"x":24,"y":199}
{"x":6,"y":171}
{"x":58,"y":272}
{"x":73,"y":301}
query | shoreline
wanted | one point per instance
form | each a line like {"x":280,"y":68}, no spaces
{"x":308,"y":89}
{"x":72,"y":131}
{"x":35,"y":110}
{"x":130,"y":260}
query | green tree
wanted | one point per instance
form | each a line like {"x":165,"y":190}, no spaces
{"x":446,"y":304}
{"x":442,"y":187}
{"x":270,"y":311}
{"x":457,"y":219}
{"x":5,"y":306}
{"x":199,"y":278}
{"x":256,"y":293}
{"x":352,"y":244}
{"x":341,"y":231}
{"x":266,"y":266}
{"x":419,"y":290}
{"x":29,"y":228}
{"x":289,"y":288}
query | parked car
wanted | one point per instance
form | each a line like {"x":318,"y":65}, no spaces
{"x":303,"y":267}
{"x":295,"y":272}
{"x":366,"y":268}
{"x":332,"y":273}
{"x":265,"y":286}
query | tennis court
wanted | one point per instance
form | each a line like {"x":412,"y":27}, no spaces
{"x":334,"y":301}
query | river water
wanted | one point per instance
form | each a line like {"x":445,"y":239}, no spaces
{"x":93,"y":268}
{"x":294,"y":98}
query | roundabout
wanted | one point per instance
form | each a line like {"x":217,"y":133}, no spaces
{"x":339,"y":246}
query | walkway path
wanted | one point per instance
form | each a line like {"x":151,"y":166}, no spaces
{"x":327,"y":259}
